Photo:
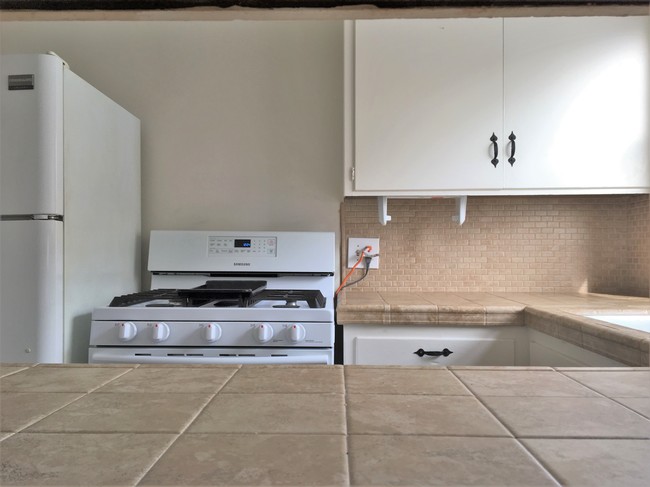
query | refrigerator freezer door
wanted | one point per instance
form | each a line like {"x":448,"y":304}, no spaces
{"x":31,"y":291}
{"x":31,"y":139}
{"x":102,"y":208}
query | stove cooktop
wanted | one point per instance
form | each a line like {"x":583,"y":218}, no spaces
{"x":224,"y":294}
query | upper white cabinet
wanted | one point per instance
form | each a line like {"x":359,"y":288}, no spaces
{"x":424,"y":98}
{"x":576,"y":97}
{"x":428,"y":96}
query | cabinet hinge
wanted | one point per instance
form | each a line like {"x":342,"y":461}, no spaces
{"x":352,"y":173}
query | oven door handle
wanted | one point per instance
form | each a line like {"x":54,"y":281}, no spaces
{"x":109,"y":358}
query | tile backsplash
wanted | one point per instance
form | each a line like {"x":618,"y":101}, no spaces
{"x":507,"y":244}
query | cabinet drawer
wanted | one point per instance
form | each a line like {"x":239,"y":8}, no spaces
{"x":400,"y":351}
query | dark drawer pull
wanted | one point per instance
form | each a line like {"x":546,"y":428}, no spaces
{"x":445,"y":353}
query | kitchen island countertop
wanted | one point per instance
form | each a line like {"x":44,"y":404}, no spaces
{"x":560,"y":315}
{"x":129,"y":425}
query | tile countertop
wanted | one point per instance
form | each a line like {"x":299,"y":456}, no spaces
{"x":558,"y":315}
{"x":127,"y":425}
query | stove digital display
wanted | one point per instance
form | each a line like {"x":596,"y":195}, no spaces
{"x":242,"y":244}
{"x":258,"y":246}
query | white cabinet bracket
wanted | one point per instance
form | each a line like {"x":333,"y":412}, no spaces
{"x":382,"y":207}
{"x":461,"y":210}
{"x":459,"y":217}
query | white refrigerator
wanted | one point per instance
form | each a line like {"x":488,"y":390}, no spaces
{"x":70,"y":231}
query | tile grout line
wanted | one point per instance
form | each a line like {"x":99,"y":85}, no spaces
{"x":615,"y":399}
{"x":8,"y":374}
{"x":347,"y":426}
{"x":183,"y":430}
{"x":174,"y":440}
{"x":110,"y":380}
{"x":83,"y":394}
{"x":600,"y":394}
{"x":146,"y":470}
{"x":29,"y":425}
{"x":539,"y":462}
{"x":604,"y":395}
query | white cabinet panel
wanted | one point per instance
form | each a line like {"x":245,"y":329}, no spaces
{"x":546,"y":350}
{"x":423,"y":98}
{"x":427,"y":97}
{"x":471,"y":345}
{"x":400,"y":351}
{"x":395,"y":345}
{"x":576,"y":99}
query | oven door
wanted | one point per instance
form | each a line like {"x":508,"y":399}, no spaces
{"x":224,"y":356}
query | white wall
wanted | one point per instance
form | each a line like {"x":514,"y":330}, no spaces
{"x":241,"y":120}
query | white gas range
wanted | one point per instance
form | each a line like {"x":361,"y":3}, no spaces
{"x":225,"y":298}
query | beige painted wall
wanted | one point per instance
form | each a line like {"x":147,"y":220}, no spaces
{"x":241,"y":120}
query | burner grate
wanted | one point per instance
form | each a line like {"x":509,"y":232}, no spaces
{"x":222,"y":295}
{"x":143,"y":297}
{"x":313,"y":297}
{"x":241,"y":291}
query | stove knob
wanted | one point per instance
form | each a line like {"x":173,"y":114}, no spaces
{"x":160,"y":332}
{"x":296,"y":333}
{"x":264,"y":333}
{"x":127,"y":331}
{"x":211,"y":332}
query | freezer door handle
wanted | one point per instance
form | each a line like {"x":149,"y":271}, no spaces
{"x":40,"y":216}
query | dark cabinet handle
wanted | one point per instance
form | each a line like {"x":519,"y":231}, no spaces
{"x":445,"y":353}
{"x":512,"y":138}
{"x":494,"y":139}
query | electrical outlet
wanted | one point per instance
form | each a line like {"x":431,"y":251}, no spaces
{"x":357,"y":244}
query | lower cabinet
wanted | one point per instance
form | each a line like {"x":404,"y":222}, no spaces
{"x":551,"y":351}
{"x":463,"y":345}
{"x":399,"y":345}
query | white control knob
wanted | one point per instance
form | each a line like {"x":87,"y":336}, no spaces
{"x":296,"y":333}
{"x":211,"y":332}
{"x":159,"y":332}
{"x":264,"y":333}
{"x":127,"y":331}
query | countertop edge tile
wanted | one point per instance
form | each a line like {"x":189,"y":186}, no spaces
{"x":560,"y":315}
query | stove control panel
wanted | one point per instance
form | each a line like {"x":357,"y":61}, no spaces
{"x":212,"y":333}
{"x":264,"y":246}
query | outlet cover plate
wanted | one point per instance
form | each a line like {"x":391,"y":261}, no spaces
{"x":355,"y":244}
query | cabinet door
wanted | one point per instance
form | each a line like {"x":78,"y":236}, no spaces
{"x":576,"y":99}
{"x":428,"y":96}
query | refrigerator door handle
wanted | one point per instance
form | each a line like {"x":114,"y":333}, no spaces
{"x":40,"y":216}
